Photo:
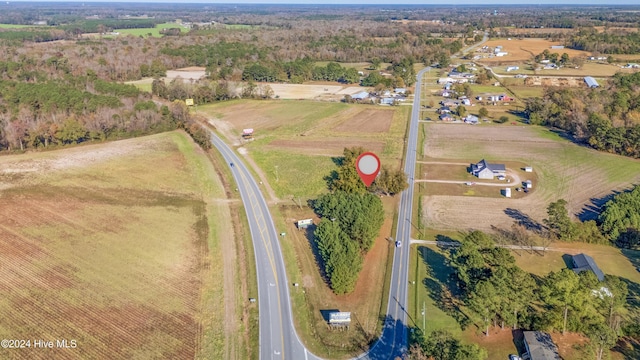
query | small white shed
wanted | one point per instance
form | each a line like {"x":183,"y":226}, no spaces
{"x":528,"y":169}
{"x":507,"y":192}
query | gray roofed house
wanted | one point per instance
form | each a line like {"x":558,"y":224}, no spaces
{"x":540,"y":346}
{"x":444,"y":110}
{"x":446,"y":117}
{"x":583,"y":262}
{"x":484,"y":170}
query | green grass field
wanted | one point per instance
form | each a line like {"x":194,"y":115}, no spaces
{"x":108,"y":246}
{"x":482,"y":89}
{"x":285,"y":121}
{"x":144,"y":84}
{"x":153,"y":32}
{"x":14,"y":26}
{"x":428,"y":279}
{"x":524,"y":92}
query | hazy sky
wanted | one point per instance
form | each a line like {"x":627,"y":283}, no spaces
{"x":376,"y":2}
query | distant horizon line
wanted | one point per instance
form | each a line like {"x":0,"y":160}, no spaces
{"x":576,"y":3}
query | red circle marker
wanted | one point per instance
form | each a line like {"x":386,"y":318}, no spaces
{"x":368,"y":166}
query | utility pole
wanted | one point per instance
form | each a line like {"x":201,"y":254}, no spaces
{"x":277,"y":173}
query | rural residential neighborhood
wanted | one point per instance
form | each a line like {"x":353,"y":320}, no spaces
{"x":282,"y":180}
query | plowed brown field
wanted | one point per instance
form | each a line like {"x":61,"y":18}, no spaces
{"x":93,"y":249}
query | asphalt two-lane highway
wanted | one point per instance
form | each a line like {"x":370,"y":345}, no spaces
{"x":394,"y":340}
{"x":278,"y":338}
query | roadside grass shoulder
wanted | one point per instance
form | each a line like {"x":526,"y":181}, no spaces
{"x":429,"y":281}
{"x":299,"y":176}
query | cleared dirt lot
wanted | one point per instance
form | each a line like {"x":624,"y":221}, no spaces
{"x":314,"y":91}
{"x":555,"y":81}
{"x":564,"y":170}
{"x":368,"y":121}
{"x":188,"y":73}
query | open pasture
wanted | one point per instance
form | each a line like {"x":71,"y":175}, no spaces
{"x":110,"y":245}
{"x":295,"y":140}
{"x":564,"y":170}
{"x":153,"y":32}
{"x":525,"y":49}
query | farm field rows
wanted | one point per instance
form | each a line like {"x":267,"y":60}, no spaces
{"x":296,"y":140}
{"x":115,"y":246}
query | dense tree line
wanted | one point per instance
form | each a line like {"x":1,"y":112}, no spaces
{"x":490,"y":283}
{"x":299,"y":71}
{"x":346,"y":178}
{"x":442,"y":345}
{"x":350,"y":223}
{"x":34,"y":35}
{"x":620,"y":219}
{"x":79,"y":109}
{"x":607,"y":42}
{"x":561,"y":227}
{"x":498,"y":292}
{"x":226,"y":52}
{"x":351,"y":220}
{"x":359,"y":215}
{"x":608,"y":119}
